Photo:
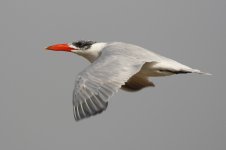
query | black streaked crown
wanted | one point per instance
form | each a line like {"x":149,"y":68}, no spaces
{"x":83,"y":44}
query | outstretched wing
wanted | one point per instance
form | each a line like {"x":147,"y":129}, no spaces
{"x":99,"y":81}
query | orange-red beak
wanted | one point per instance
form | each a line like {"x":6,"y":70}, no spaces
{"x":61,"y":47}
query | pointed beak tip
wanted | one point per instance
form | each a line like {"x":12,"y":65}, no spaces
{"x":52,"y":47}
{"x":47,"y":48}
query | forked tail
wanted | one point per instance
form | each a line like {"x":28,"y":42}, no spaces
{"x":200,"y":72}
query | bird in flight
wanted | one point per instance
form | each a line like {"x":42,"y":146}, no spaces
{"x":113,"y":66}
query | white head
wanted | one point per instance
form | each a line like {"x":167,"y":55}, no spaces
{"x":88,"y":49}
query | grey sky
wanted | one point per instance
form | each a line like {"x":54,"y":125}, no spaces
{"x":181,"y":112}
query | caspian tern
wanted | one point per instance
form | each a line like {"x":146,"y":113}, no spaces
{"x":114,"y":65}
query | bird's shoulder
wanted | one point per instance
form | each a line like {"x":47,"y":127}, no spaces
{"x":129,"y":50}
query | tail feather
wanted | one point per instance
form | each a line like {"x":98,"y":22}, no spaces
{"x":199,"y":72}
{"x":174,"y":67}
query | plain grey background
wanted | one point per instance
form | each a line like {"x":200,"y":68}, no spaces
{"x":183,"y":112}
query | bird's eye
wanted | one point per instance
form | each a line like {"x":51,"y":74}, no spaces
{"x":79,"y":44}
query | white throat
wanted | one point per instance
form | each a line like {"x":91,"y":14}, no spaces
{"x":93,"y":52}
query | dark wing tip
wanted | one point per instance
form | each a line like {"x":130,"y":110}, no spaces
{"x":89,"y":107}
